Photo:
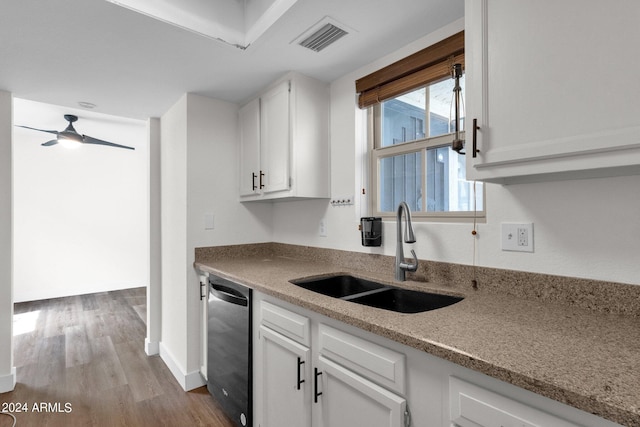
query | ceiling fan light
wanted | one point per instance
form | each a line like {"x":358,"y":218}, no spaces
{"x":69,"y":142}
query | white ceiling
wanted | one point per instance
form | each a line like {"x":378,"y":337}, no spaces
{"x":130,"y":65}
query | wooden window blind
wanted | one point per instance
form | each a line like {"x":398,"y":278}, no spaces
{"x":427,"y":66}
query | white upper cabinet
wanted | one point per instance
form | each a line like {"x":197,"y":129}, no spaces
{"x":249,"y":118}
{"x":554,"y":89}
{"x":284,"y":141}
{"x":275,"y":134}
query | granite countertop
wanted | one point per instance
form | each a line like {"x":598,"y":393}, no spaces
{"x":585,"y":358}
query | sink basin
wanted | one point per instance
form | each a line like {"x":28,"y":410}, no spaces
{"x":373,"y":294}
{"x":338,"y":286}
{"x":406,"y":300}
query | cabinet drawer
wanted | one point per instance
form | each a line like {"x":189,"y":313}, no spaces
{"x":473,"y":406}
{"x":372,"y":361}
{"x":289,"y":324}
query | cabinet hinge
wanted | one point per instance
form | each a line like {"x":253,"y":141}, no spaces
{"x":407,"y":417}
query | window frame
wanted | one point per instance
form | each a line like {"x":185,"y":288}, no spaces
{"x":376,"y":153}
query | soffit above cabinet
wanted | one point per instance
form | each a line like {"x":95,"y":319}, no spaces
{"x":238,"y":23}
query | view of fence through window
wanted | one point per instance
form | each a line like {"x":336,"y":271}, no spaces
{"x":430,"y":179}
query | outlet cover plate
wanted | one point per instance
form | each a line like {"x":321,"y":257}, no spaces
{"x":517,"y":237}
{"x":322,"y":228}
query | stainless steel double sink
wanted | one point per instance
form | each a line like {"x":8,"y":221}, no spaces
{"x":374,"y":294}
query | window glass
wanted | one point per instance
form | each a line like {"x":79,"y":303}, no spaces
{"x":404,"y":118}
{"x":447,"y":188}
{"x":441,"y":107}
{"x":401,"y":180}
{"x":414,"y":159}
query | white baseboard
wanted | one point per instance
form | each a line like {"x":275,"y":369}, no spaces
{"x":8,"y":382}
{"x":151,"y":347}
{"x":188,"y":381}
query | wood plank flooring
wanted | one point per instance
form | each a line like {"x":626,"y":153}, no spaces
{"x":84,"y":365}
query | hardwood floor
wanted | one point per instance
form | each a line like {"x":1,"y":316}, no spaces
{"x":84,"y":365}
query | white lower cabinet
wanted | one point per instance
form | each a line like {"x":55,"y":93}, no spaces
{"x":204,"y":322}
{"x":312,"y":371}
{"x":283,"y":377}
{"x":309,"y":374}
{"x":349,"y":400}
{"x":473,"y":406}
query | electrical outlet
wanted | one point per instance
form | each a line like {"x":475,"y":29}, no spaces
{"x":523,"y":236}
{"x":517,"y":237}
{"x":322,"y":229}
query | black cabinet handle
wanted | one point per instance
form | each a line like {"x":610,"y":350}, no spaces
{"x":300,"y":381}
{"x":316,"y":394}
{"x":474,"y":139}
{"x":203,"y":284}
{"x":261,"y":184}
{"x":253,"y":181}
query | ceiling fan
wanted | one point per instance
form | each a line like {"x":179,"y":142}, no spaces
{"x":71,"y":136}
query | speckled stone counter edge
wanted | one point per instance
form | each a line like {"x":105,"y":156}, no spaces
{"x":601,"y":296}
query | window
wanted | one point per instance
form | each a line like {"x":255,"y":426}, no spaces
{"x":410,"y":141}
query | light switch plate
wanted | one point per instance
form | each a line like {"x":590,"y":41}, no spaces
{"x":209,"y":222}
{"x":517,"y":237}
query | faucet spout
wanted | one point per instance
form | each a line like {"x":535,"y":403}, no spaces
{"x":409,"y":237}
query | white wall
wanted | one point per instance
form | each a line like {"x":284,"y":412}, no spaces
{"x":173,"y":201}
{"x":582,"y":228}
{"x":81,"y":222}
{"x":154,"y":290}
{"x":199,"y":170}
{"x":7,"y":371}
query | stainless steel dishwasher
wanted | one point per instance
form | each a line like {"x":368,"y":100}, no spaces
{"x":229,"y":348}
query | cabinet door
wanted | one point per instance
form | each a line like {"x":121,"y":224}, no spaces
{"x":284,"y":390}
{"x":249,"y":117}
{"x":349,"y":400}
{"x":275,"y":138}
{"x":473,"y":406}
{"x":544,"y":85}
{"x":204,"y":323}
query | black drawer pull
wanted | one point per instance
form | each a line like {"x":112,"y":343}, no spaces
{"x":203,"y":284}
{"x":316,"y":394}
{"x":300,"y":381}
{"x":474,"y":139}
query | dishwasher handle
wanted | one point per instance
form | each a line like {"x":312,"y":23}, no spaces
{"x":227,"y":294}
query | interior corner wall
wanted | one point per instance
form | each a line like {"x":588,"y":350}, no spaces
{"x":7,"y":371}
{"x":154,"y":291}
{"x":173,"y":202}
{"x":80,"y":215}
{"x":199,"y":176}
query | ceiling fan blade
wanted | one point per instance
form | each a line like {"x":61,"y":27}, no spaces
{"x":41,"y":130}
{"x":90,"y":140}
{"x":49,"y":143}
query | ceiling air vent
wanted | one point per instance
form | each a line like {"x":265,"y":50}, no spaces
{"x":323,"y":37}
